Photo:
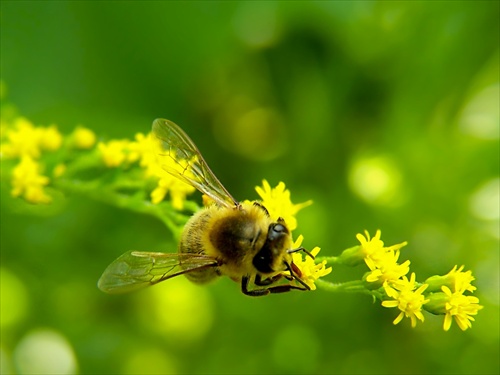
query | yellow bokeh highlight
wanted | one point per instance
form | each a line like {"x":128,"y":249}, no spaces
{"x":376,"y":180}
{"x":176,"y":309}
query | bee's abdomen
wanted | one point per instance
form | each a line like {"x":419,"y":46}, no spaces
{"x":192,"y":242}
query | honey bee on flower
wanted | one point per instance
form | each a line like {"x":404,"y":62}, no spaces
{"x":250,"y":242}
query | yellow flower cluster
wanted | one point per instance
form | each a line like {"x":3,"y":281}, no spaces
{"x":23,"y":141}
{"x":28,"y":183}
{"x":385,"y":271}
{"x":310,"y":270}
{"x":279,"y":205}
{"x":452,"y":300}
{"x":411,"y":297}
{"x":407,"y":297}
{"x":116,"y":153}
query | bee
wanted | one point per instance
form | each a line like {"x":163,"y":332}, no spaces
{"x":238,"y":240}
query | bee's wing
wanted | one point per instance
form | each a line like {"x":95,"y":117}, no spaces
{"x":135,"y":270}
{"x":179,"y":156}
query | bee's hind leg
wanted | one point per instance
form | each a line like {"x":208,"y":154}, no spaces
{"x":270,"y":290}
{"x":264,"y":282}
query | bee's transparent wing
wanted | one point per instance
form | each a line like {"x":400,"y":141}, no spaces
{"x":135,"y":270}
{"x":179,"y":156}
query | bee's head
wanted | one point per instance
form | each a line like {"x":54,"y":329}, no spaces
{"x":273,"y":255}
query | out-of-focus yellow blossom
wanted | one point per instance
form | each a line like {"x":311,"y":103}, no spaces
{"x":49,"y":138}
{"x":278,"y":203}
{"x":28,"y":182}
{"x":145,"y":151}
{"x":83,"y":138}
{"x":309,"y":269}
{"x":461,"y":308}
{"x":59,"y":170}
{"x":26,"y":139}
{"x":114,"y":152}
{"x":178,"y":191}
{"x":142,"y":149}
{"x":159,"y":164}
{"x":407,"y":298}
{"x":22,"y":139}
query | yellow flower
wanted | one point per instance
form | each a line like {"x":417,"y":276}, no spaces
{"x":278,"y":203}
{"x":142,"y":149}
{"x":83,"y":138}
{"x":22,"y":140}
{"x":374,"y":250}
{"x":407,"y":299}
{"x":114,"y":152}
{"x":461,"y":308}
{"x":382,"y":261}
{"x":26,"y":139}
{"x":386,"y":268}
{"x":461,"y":281}
{"x":456,"y":280}
{"x":309,"y":269}
{"x":28,"y":183}
{"x":50,"y":138}
{"x":178,"y":191}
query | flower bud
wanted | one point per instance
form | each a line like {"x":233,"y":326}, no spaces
{"x":352,"y":256}
{"x":437,"y":303}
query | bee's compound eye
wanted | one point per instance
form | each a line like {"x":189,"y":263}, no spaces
{"x":278,"y":228}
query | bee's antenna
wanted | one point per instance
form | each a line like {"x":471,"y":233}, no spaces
{"x":291,"y":251}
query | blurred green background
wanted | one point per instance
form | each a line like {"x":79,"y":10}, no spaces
{"x":385,"y":114}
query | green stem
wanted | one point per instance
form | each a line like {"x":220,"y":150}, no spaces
{"x":329,"y":260}
{"x":356,"y":286}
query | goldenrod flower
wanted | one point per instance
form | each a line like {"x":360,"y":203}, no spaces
{"x":386,"y":268}
{"x":28,"y":183}
{"x":23,"y":139}
{"x":143,"y":150}
{"x":309,"y":269}
{"x":278,"y":203}
{"x":49,"y":138}
{"x":154,"y":163}
{"x":83,"y":138}
{"x":26,"y":139}
{"x":461,"y":308}
{"x":382,"y":261}
{"x":407,"y":299}
{"x":178,"y":191}
{"x":374,"y":250}
{"x":456,"y":280}
{"x":114,"y":152}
